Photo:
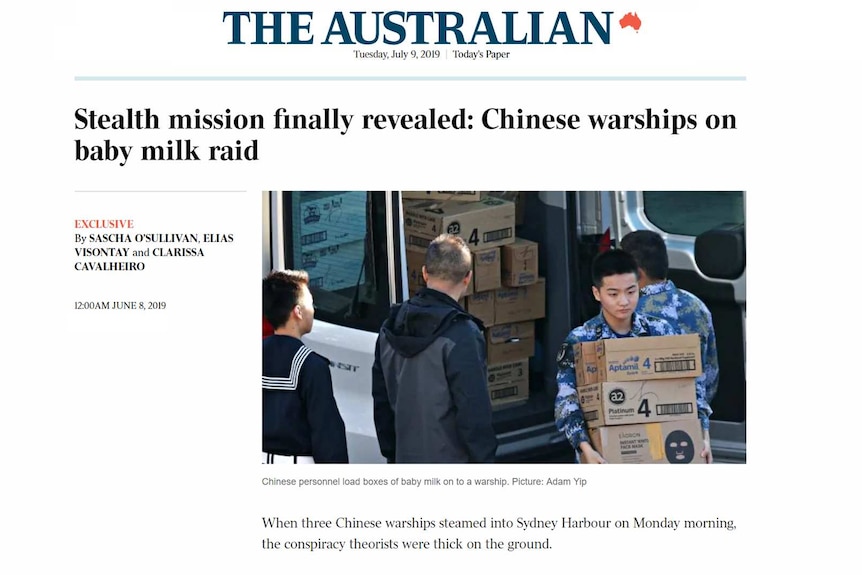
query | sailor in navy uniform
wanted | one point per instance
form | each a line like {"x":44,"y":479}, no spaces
{"x":301,"y":421}
{"x":300,"y":417}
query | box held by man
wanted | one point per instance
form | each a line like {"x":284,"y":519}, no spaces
{"x":645,"y":401}
{"x":656,"y":357}
{"x":667,"y":442}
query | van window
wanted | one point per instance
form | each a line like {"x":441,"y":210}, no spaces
{"x":692,"y":213}
{"x":333,"y":236}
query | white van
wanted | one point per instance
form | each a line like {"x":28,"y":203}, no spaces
{"x":352,"y":244}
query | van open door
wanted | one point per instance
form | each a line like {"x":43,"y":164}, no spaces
{"x":705,"y":237}
{"x":345,"y":241}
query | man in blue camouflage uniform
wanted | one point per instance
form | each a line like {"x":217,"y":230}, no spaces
{"x":661,"y":298}
{"x":615,"y":287}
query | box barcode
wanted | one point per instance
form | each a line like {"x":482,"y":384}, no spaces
{"x":504,"y":392}
{"x":495,"y":235}
{"x":420,"y":242}
{"x":675,"y":365}
{"x":673,"y":408}
{"x":591,"y":415}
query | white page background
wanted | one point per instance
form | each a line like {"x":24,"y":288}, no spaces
{"x":132,"y":440}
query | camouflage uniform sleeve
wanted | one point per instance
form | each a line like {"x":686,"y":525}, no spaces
{"x":567,"y":407}
{"x":707,"y":383}
{"x":654,"y":325}
{"x":703,"y":408}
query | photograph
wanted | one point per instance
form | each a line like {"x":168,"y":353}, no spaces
{"x":504,"y":327}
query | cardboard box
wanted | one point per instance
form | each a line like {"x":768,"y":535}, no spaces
{"x":481,"y":305}
{"x":510,"y":342}
{"x":586,"y":363}
{"x":444,"y":196}
{"x":486,"y":269}
{"x":484,"y":224}
{"x":517,"y":197}
{"x":520,"y":263}
{"x":667,"y":442}
{"x":520,"y":303}
{"x":657,"y":357}
{"x":647,"y":401}
{"x":415,"y":261}
{"x":509,"y":383}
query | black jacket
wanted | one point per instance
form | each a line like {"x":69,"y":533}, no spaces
{"x":430,"y":384}
{"x":300,"y":416}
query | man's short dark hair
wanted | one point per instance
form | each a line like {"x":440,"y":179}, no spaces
{"x":649,"y":250}
{"x":611,"y":263}
{"x":448,"y":258}
{"x":282,"y":291}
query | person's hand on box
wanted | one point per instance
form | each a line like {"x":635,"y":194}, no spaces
{"x":590,"y":455}
{"x":707,"y":450}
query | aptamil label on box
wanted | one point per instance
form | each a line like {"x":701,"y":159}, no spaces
{"x":586,"y":363}
{"x":657,"y":357}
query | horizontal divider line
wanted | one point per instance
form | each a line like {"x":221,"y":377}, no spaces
{"x":410,"y":78}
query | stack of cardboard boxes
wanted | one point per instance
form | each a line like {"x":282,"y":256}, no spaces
{"x":638,"y":398}
{"x":506,"y":292}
